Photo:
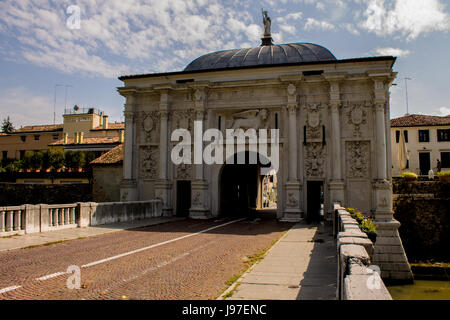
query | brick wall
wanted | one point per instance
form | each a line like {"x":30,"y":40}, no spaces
{"x":18,"y":194}
{"x":423,"y":209}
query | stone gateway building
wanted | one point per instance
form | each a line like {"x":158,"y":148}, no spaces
{"x":334,"y":139}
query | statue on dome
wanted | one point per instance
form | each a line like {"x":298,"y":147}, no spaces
{"x":267,"y":22}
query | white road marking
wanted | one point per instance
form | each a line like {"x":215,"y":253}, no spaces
{"x":157,"y":244}
{"x":49,"y":276}
{"x":9,"y":289}
{"x":53,"y":275}
{"x":162,"y":264}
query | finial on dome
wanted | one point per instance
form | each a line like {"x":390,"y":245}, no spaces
{"x":267,"y":37}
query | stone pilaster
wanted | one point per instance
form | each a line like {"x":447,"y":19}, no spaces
{"x":336,"y":185}
{"x":389,"y":252}
{"x":128,"y":187}
{"x":199,"y":187}
{"x":293,"y":209}
{"x":163,"y":187}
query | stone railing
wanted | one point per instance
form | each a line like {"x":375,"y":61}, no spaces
{"x":12,"y":220}
{"x":42,"y":217}
{"x":357,"y":279}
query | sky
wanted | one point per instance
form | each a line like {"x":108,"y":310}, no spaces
{"x":83,"y":46}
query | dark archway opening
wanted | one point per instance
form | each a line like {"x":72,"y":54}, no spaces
{"x":315,"y":201}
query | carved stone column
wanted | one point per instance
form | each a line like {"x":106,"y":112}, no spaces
{"x":389,"y":252}
{"x":381,"y":141}
{"x":163,"y":186}
{"x":293,"y":209}
{"x":336,"y":185}
{"x":199,"y":196}
{"x":128,"y":187}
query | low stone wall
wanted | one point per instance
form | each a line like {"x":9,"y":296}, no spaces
{"x":357,"y":278}
{"x":423,"y":209}
{"x":12,"y":194}
{"x":43,"y":217}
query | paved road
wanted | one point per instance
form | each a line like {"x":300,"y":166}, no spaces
{"x":188,"y":259}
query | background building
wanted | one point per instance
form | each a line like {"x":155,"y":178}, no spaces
{"x":427,"y":140}
{"x":85,"y":129}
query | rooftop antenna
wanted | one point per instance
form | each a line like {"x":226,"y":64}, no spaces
{"x":54,"y":103}
{"x":65,"y":98}
{"x":406,"y":86}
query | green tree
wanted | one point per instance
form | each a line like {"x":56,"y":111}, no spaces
{"x":7,"y":126}
{"x":56,"y":159}
{"x":37,"y":160}
{"x":74,"y":159}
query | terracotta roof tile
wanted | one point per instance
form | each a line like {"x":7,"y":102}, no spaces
{"x":419,"y":120}
{"x":112,"y":126}
{"x":100,"y":140}
{"x":113,"y":156}
{"x":40,"y":128}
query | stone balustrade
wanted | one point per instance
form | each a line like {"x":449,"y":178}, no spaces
{"x":43,"y":217}
{"x":357,"y":279}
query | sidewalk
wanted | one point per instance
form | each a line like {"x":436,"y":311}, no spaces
{"x":36,"y":239}
{"x":300,"y":266}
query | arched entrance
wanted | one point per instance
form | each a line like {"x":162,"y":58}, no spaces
{"x":242,"y":188}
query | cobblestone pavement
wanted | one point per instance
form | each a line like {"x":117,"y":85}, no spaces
{"x":193,"y":267}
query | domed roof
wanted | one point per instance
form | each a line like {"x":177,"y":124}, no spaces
{"x":260,"y":56}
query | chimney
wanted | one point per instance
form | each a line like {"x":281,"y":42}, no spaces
{"x":81,"y":136}
{"x":105,"y":122}
{"x":66,"y":137}
{"x":121,"y":136}
{"x":101,"y":119}
{"x":76,"y":138}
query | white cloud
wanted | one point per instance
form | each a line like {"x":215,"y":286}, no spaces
{"x":320,"y":6}
{"x":444,"y":111}
{"x":312,"y":23}
{"x":410,"y":18}
{"x":396,"y":52}
{"x":25,"y":107}
{"x":119,"y":36}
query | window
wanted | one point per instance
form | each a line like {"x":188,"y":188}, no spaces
{"x":276,"y":120}
{"x":23,"y":138}
{"x":405,"y":133}
{"x":397,"y":136}
{"x":424,"y":135}
{"x":22,"y":154}
{"x":407,"y":164}
{"x":36,"y":137}
{"x":443,"y":135}
{"x":219,"y":120}
{"x":55,"y":136}
{"x":445,"y":159}
{"x":4,"y":154}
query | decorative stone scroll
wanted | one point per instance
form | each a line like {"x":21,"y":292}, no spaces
{"x":356,"y":116}
{"x":182,"y":119}
{"x":150,"y":125}
{"x":148,"y":162}
{"x":313,"y":120}
{"x":184,"y":171}
{"x":314,"y":159}
{"x":357,"y":154}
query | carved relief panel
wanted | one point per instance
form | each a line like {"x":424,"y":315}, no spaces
{"x":358,"y":158}
{"x":149,"y":127}
{"x":313,"y":121}
{"x":182,"y":119}
{"x":184,"y":171}
{"x":356,"y":117}
{"x":148,"y":162}
{"x":314,"y":159}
